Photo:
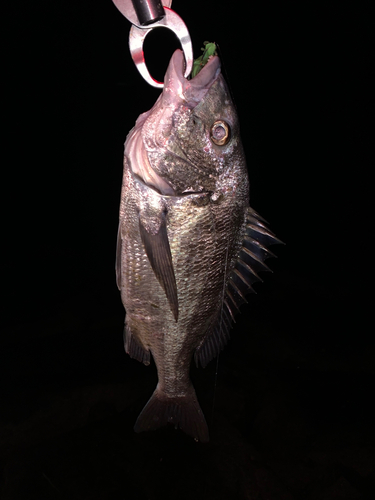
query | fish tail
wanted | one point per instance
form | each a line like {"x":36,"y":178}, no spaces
{"x":183,"y":412}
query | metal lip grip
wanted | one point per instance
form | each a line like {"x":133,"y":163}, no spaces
{"x":146,"y":15}
{"x":148,"y":11}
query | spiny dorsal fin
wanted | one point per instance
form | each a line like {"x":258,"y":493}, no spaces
{"x":250,"y":261}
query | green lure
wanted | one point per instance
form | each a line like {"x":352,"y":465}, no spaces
{"x":209,"y":50}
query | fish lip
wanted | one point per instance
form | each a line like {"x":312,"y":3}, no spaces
{"x":191,"y":91}
{"x":208,"y":74}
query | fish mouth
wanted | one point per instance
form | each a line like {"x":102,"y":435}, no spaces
{"x":191,"y":91}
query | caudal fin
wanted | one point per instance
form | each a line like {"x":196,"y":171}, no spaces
{"x":183,"y":412}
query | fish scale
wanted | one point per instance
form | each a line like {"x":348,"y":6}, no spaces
{"x":185,"y":261}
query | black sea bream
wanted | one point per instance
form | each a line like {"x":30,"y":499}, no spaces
{"x":189,"y":245}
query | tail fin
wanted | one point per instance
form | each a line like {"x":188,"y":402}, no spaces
{"x":183,"y":412}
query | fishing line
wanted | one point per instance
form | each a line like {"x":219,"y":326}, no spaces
{"x":221,"y":326}
{"x":215,"y":384}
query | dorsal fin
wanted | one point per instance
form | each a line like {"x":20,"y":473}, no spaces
{"x":250,"y":261}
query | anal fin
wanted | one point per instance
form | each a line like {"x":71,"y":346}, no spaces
{"x":134,"y":349}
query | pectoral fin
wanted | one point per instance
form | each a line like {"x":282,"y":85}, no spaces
{"x":159,"y":254}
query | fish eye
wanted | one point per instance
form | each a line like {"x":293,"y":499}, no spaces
{"x":220,"y":133}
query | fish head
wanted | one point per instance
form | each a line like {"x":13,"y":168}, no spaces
{"x":190,"y":138}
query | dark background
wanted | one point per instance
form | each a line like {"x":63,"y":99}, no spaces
{"x":290,"y":410}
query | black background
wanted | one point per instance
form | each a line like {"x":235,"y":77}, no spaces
{"x":290,"y":410}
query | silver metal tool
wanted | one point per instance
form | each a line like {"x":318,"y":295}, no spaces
{"x":146,"y":15}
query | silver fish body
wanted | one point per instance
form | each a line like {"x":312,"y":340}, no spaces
{"x":186,"y":235}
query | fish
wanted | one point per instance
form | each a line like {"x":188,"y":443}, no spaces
{"x":189,"y":247}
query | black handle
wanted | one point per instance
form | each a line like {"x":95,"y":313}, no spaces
{"x":148,"y":11}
